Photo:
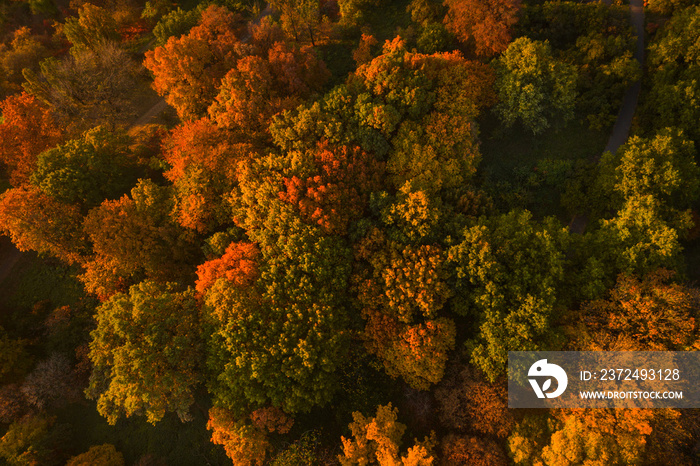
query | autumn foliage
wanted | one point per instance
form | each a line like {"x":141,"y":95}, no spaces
{"x":38,"y":222}
{"x":337,"y":190}
{"x":245,"y":445}
{"x":484,"y":23}
{"x":203,"y":167}
{"x":237,"y":266}
{"x":188,"y":70}
{"x":259,"y":86}
{"x":27,"y":129}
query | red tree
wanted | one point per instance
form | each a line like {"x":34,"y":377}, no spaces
{"x":188,"y":70}
{"x":27,"y":130}
{"x":485,"y":23}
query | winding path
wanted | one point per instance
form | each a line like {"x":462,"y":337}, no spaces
{"x":621,"y":129}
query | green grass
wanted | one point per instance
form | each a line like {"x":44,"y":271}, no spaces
{"x":512,"y":166}
{"x":338,"y":58}
{"x":692,"y":260}
{"x":34,"y":279}
{"x":175,"y":442}
{"x":36,"y":286}
{"x":383,"y":21}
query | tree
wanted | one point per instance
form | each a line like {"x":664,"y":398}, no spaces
{"x":651,"y":314}
{"x":468,"y":403}
{"x":188,"y":70}
{"x":87,"y":170}
{"x":279,"y":340}
{"x":639,"y":239}
{"x":102,"y":455}
{"x":279,"y":327}
{"x":40,"y":223}
{"x":534,"y":88}
{"x":471,"y":451}
{"x":418,"y":109}
{"x":25,"y":51}
{"x":136,"y":236}
{"x":147,"y":352}
{"x":300,"y":18}
{"x":363,"y":53}
{"x":14,"y":360}
{"x":662,"y":166}
{"x":259,"y":87}
{"x":238,"y":266}
{"x":245,"y":445}
{"x":175,"y":23}
{"x":12,"y":403}
{"x":203,"y":168}
{"x":377,"y":440}
{"x":424,"y":12}
{"x":336,"y":189}
{"x":508,"y":270}
{"x":674,"y":70}
{"x":593,"y":436}
{"x":27,"y":129}
{"x":93,"y":26}
{"x":484,"y":23}
{"x":653,"y":182}
{"x":33,"y":440}
{"x":88,"y":87}
{"x":51,"y":384}
{"x":402,"y":294}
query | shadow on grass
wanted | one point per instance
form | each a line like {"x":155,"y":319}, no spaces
{"x":527,"y":171}
{"x":170,"y":440}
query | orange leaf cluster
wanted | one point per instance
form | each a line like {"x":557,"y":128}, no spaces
{"x":238,"y":265}
{"x":339,"y":192}
{"x":259,"y":87}
{"x":484,"y":23}
{"x":272,"y":419}
{"x":188,"y":70}
{"x":28,"y":129}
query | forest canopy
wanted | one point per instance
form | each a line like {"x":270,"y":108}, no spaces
{"x":309,"y":232}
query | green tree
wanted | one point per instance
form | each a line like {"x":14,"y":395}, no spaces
{"x":135,"y":237}
{"x":673,"y":63}
{"x":87,"y":170}
{"x":533,"y":88}
{"x":93,"y":26}
{"x":147,"y":351}
{"x":280,"y":323}
{"x":175,"y":23}
{"x":652,"y":182}
{"x":507,"y":273}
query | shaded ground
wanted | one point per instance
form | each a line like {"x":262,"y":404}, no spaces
{"x":621,"y":130}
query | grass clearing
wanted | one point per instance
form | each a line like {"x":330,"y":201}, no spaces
{"x":170,"y":440}
{"x":528,"y":171}
{"x":384,"y":21}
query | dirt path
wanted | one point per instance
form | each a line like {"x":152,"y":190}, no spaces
{"x":621,"y":130}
